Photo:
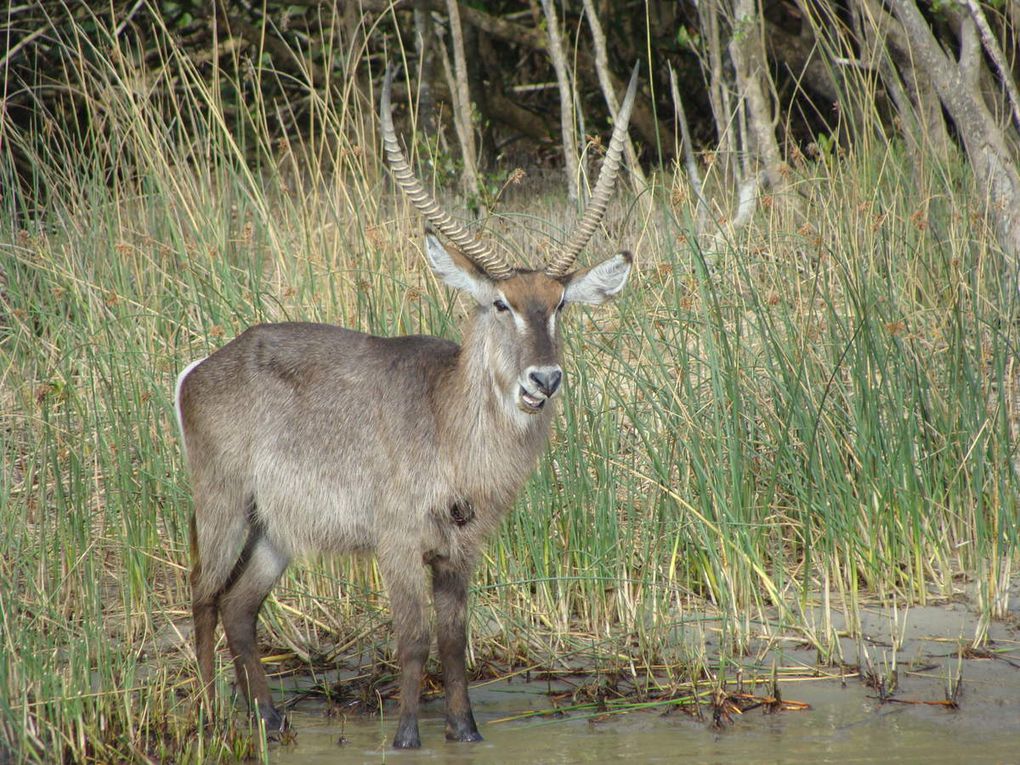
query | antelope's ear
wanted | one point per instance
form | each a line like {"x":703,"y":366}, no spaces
{"x":596,"y":285}
{"x":457,"y":271}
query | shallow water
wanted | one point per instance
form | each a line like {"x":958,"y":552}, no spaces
{"x":843,"y":726}
{"x":845,"y":723}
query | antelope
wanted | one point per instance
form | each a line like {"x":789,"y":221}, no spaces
{"x":308,"y":438}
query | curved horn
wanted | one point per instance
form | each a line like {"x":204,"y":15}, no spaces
{"x":560,"y":264}
{"x":482,"y":256}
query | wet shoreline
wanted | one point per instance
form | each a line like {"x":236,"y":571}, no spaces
{"x":910,"y":690}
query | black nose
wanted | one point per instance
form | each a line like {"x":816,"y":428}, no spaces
{"x":547,"y":380}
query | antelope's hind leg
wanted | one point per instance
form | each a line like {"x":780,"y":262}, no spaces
{"x":257,"y":571}
{"x":449,"y":595}
{"x":204,"y":613}
{"x":218,"y":530}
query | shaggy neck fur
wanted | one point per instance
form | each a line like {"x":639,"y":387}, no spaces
{"x":497,"y":444}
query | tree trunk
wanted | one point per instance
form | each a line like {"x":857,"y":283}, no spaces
{"x":748,"y":55}
{"x":995,"y":168}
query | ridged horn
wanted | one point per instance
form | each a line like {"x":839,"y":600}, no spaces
{"x":561,"y":263}
{"x":482,"y":256}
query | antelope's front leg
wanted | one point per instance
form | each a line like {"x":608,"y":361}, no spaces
{"x":449,"y":594}
{"x":405,"y":581}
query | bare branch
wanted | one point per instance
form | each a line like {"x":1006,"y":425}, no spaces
{"x":718,"y":92}
{"x":995,"y":168}
{"x":570,"y":160}
{"x":461,"y":95}
{"x":605,"y":82}
{"x":995,"y":54}
{"x":693,"y":175}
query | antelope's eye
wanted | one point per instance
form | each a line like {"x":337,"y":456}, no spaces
{"x":500,"y":306}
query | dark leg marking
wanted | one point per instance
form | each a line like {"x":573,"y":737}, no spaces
{"x":449,"y":593}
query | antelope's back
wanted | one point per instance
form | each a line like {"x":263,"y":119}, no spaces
{"x":322,"y":427}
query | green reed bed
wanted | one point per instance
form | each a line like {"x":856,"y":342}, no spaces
{"x":788,"y":415}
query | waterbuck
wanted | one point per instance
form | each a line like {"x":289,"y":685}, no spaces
{"x":309,"y":438}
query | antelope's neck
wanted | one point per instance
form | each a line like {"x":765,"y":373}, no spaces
{"x":494,"y":446}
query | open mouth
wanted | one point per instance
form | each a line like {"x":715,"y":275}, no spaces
{"x":530,"y":403}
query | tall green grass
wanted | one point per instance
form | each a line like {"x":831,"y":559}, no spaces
{"x":790,"y":416}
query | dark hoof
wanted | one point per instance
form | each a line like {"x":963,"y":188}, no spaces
{"x":407,"y":742}
{"x":275,"y":722}
{"x":467,"y":738}
{"x":462,"y":729}
{"x":407,"y":736}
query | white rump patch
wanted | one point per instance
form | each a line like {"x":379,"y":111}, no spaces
{"x":177,"y":394}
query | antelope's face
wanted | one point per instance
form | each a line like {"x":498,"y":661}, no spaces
{"x":519,"y":319}
{"x":522,"y":322}
{"x":519,"y":310}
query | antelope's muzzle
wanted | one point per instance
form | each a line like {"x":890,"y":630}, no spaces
{"x":538,"y":386}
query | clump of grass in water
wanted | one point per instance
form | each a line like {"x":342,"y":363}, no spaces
{"x":825,"y":409}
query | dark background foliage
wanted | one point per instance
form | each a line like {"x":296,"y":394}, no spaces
{"x":806,"y":60}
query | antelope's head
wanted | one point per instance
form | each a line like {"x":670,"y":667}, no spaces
{"x":518,"y":316}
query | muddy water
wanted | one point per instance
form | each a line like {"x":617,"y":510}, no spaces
{"x":842,"y":726}
{"x":845,"y":723}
